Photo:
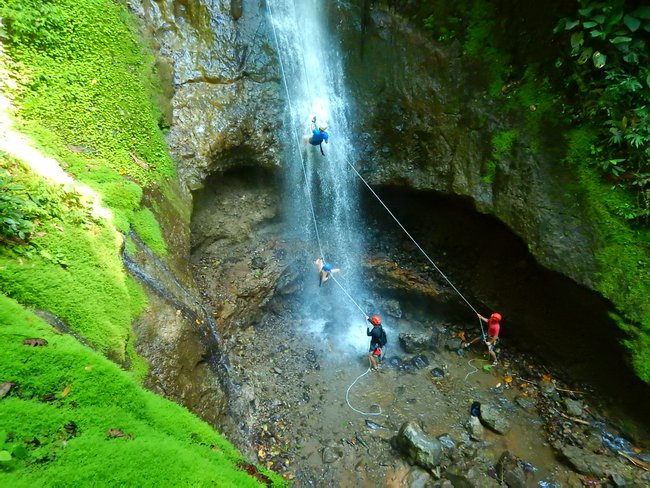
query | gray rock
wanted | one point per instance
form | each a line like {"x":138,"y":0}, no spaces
{"x":393,"y":308}
{"x":475,"y":429}
{"x":524,"y":402}
{"x":413,"y":343}
{"x":330,"y":455}
{"x":494,"y":419}
{"x":573,"y":407}
{"x":585,"y":462}
{"x":471,"y":478}
{"x":418,"y":447}
{"x":418,"y":478}
{"x":510,"y":471}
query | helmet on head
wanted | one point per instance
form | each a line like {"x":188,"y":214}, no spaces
{"x":496,"y":316}
{"x":322,"y":126}
{"x":376,"y":320}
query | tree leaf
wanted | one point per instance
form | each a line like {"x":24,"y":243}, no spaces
{"x":585,"y":55}
{"x":20,"y":452}
{"x":597,"y":33}
{"x":577,"y":40}
{"x":570,"y":24}
{"x":618,"y":40}
{"x":631,"y":58}
{"x":585,"y":11}
{"x":599,"y":18}
{"x":599,"y":59}
{"x":642,"y":12}
{"x":5,"y":456}
{"x":632,"y":22}
{"x":589,"y":24}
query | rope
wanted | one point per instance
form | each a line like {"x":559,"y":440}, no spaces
{"x":302,"y":161}
{"x":348,"y":295}
{"x":417,"y":245}
{"x":347,"y":394}
{"x":472,"y":366}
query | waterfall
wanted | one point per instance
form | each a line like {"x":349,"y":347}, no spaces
{"x":317,"y":186}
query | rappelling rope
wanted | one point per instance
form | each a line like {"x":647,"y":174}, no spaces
{"x":417,"y":245}
{"x":348,"y":295}
{"x":347,"y":394}
{"x":302,"y":161}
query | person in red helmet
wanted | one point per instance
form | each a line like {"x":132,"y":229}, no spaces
{"x":492,"y":335}
{"x":378,"y":340}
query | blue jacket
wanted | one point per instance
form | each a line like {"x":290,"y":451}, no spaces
{"x":318,"y":137}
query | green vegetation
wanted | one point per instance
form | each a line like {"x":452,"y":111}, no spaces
{"x":607,"y":66}
{"x":74,"y":418}
{"x":581,"y":70}
{"x":71,"y":186}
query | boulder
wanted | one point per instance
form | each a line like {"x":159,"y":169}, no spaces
{"x":418,"y":478}
{"x":510,"y":471}
{"x":418,"y":447}
{"x":585,"y":462}
{"x":494,"y":419}
{"x":413,"y":343}
{"x":573,"y":407}
{"x":475,"y":429}
{"x":471,"y":478}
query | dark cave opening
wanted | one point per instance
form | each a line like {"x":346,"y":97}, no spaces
{"x":566,"y":326}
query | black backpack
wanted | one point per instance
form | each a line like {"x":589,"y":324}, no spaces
{"x":382,"y":338}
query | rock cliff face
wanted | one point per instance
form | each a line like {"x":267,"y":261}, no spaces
{"x":223,"y":83}
{"x":423,"y":117}
{"x":425,"y":121}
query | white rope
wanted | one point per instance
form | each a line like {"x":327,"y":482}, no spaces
{"x":417,"y":245}
{"x":302,"y":161}
{"x":347,"y":394}
{"x":349,"y":296}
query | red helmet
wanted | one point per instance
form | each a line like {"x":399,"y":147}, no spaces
{"x":376,"y":320}
{"x":496,"y":316}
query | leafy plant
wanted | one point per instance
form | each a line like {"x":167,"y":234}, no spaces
{"x":16,"y":211}
{"x":610,"y":69}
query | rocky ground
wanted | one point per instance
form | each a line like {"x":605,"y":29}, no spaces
{"x":532,"y":430}
{"x":315,"y":414}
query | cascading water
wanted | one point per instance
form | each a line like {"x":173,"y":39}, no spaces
{"x":322,"y":193}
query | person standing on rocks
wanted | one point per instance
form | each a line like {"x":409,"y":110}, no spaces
{"x":494,"y":327}
{"x":324,"y":270}
{"x":378,"y":340}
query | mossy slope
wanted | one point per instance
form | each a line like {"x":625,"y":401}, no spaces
{"x":56,"y":420}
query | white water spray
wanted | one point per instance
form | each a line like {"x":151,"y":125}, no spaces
{"x":315,"y":86}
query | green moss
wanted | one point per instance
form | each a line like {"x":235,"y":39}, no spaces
{"x":622,"y":254}
{"x":146,"y":226}
{"x":65,"y":440}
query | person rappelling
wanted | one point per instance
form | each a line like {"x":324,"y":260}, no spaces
{"x":318,"y":134}
{"x":492,"y":336}
{"x":378,"y":340}
{"x":325,"y":270}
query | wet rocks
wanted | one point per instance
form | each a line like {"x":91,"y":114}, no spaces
{"x":471,"y":478}
{"x":494,"y":419}
{"x":418,"y":447}
{"x":414,"y":343}
{"x":585,"y":462}
{"x":573,"y":407}
{"x":510,"y":470}
{"x":475,"y":429}
{"x":331,"y":455}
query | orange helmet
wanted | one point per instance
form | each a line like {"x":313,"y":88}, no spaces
{"x":496,"y":316}
{"x":376,"y":320}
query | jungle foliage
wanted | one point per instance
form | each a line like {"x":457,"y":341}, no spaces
{"x":85,"y":89}
{"x":579,"y":70}
{"x":607,"y":67}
